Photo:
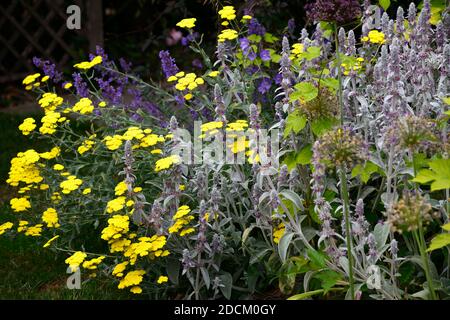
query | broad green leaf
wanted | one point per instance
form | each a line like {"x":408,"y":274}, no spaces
{"x":317,"y":258}
{"x":328,"y":279}
{"x":424,"y":176}
{"x":320,"y":126}
{"x":310,"y":53}
{"x":306,"y":295}
{"x":305,"y":91}
{"x":294,"y":122}
{"x":440,"y":241}
{"x":290,"y":160}
{"x":364,"y":171}
{"x":446,"y":227}
{"x":227,"y":283}
{"x":446,"y":101}
{"x":439,"y":174}
{"x":330,"y":83}
{"x":304,"y":156}
{"x":384,"y":4}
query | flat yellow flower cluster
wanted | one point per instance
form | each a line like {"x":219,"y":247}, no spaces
{"x":278,"y":232}
{"x":24,"y":169}
{"x":27,"y":126}
{"x":50,"y":217}
{"x":20,"y":204}
{"x":167,"y":162}
{"x":87,"y":144}
{"x":374,"y":36}
{"x":145,"y":246}
{"x":86,"y":65}
{"x":93,"y":263}
{"x":32,"y":231}
{"x":297,"y":50}
{"x":118,"y":204}
{"x":75,"y":260}
{"x":145,"y":138}
{"x":50,"y":101}
{"x":188,"y":81}
{"x":227,"y":13}
{"x":30,"y":81}
{"x":227,"y":34}
{"x":118,"y":226}
{"x":84,"y":106}
{"x":188,"y":23}
{"x":72,"y":183}
{"x":5,"y":226}
{"x":181,"y":219}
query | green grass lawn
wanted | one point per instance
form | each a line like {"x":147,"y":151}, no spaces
{"x":27,"y":271}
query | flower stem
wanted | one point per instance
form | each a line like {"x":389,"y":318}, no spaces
{"x":420,"y":239}
{"x":338,"y":61}
{"x":344,"y":194}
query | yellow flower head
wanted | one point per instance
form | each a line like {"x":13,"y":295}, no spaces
{"x":187,"y":23}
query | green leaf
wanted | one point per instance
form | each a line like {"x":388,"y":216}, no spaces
{"x":173,"y":270}
{"x":320,"y":126}
{"x":439,"y":175}
{"x":304,"y":156}
{"x":440,"y":241}
{"x":294,"y":122}
{"x":311,"y":53}
{"x":283,"y":245}
{"x":330,"y":83}
{"x":446,"y":101}
{"x":227,"y":283}
{"x":306,"y":295}
{"x":328,"y":279}
{"x":384,"y":4}
{"x":317,"y":258}
{"x":305,"y":91}
{"x":290,"y":160}
{"x":446,"y":227}
{"x":364,"y":171}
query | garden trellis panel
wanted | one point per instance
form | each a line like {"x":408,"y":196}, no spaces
{"x":31,"y":28}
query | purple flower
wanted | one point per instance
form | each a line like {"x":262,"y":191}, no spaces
{"x":252,"y":70}
{"x":48,"y":68}
{"x":254,"y":27}
{"x":265,"y":55}
{"x":80,"y":85}
{"x":340,"y":11}
{"x":244,"y":43}
{"x":264,"y":85}
{"x":252,"y":55}
{"x":126,"y":66}
{"x":168,"y":63}
{"x":277,"y":79}
{"x":291,"y":26}
{"x":189,"y":38}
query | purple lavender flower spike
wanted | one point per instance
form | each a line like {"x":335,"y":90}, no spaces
{"x":168,"y":63}
{"x":80,"y":85}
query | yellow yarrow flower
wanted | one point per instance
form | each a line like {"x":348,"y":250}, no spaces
{"x":132,"y":278}
{"x":20,"y":204}
{"x":162,"y":279}
{"x":30,"y":78}
{"x":50,"y":217}
{"x":228,"y":13}
{"x":86,"y":65}
{"x":188,"y":23}
{"x":167,"y":162}
{"x":27,"y":126}
{"x":374,"y":36}
{"x":75,"y":260}
{"x":5,"y":226}
{"x":84,"y":106}
{"x":227,"y":34}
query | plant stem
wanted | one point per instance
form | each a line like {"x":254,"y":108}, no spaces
{"x":338,"y":61}
{"x":344,"y":195}
{"x":418,"y":235}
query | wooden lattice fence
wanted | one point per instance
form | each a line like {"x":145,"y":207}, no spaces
{"x":31,"y":28}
